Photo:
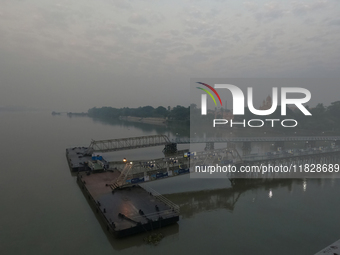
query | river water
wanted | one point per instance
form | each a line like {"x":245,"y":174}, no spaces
{"x":43,"y":210}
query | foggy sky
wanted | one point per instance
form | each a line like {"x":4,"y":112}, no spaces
{"x":73,"y":55}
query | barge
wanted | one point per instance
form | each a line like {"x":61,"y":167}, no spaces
{"x":129,"y":210}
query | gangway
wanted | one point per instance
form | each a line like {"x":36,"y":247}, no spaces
{"x":122,"y":177}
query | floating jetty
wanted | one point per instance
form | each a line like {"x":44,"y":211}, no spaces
{"x":128,"y":210}
{"x":125,"y":209}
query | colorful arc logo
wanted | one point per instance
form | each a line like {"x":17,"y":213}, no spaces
{"x":208,"y":92}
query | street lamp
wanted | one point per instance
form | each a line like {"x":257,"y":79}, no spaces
{"x":124,"y":160}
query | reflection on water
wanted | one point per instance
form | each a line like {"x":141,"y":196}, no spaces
{"x":208,"y":200}
{"x":283,"y":207}
{"x":171,"y":131}
{"x":270,"y":194}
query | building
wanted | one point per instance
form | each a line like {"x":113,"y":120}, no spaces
{"x":267,"y":104}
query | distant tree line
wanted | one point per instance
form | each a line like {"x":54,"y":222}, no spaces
{"x":324,"y":118}
{"x":178,"y":113}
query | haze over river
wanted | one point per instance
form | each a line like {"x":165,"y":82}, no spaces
{"x":43,"y":210}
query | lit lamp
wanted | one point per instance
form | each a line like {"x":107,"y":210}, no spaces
{"x":124,"y":160}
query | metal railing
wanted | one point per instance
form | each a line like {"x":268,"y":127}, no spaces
{"x":161,"y":198}
{"x":290,"y":155}
{"x":257,"y":139}
{"x":129,"y":143}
